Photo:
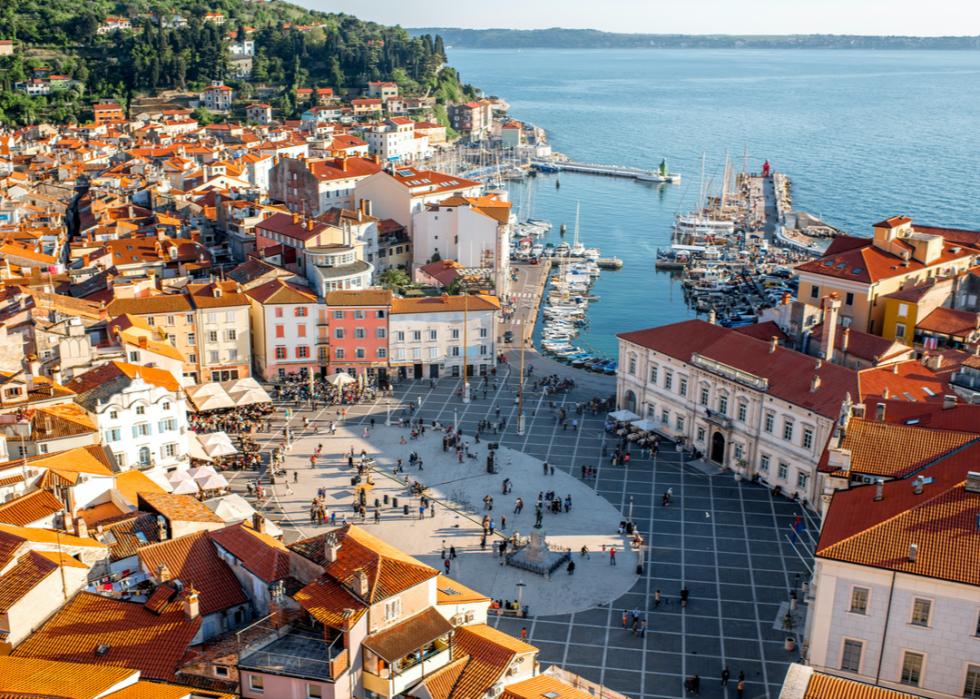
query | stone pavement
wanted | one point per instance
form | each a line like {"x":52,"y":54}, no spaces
{"x":458,"y":490}
{"x":727,"y":541}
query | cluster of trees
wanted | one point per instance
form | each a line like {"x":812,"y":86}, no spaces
{"x":339,"y":51}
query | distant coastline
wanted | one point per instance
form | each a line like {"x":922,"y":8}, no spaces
{"x":558,"y":38}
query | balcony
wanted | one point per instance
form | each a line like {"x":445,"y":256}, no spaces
{"x":716,"y":418}
{"x":298,"y":653}
{"x":396,"y":658}
{"x":395,"y":680}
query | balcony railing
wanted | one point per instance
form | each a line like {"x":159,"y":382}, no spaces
{"x":407,"y":675}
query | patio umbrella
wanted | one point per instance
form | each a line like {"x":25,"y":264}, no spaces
{"x":187,"y":487}
{"x":215,"y":482}
{"x":177,"y":476}
{"x":339,"y":380}
{"x":202,"y":472}
{"x":644,"y":424}
{"x":218,"y":444}
{"x":624,"y":415}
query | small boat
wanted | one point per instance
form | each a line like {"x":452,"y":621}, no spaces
{"x":610,"y":263}
{"x":661,"y":174}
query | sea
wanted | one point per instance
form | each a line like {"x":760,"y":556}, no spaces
{"x":863,"y":135}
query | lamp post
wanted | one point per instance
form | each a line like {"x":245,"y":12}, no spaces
{"x":520,"y":389}
{"x":466,"y":351}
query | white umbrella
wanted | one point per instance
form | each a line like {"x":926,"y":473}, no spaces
{"x":213,"y":402}
{"x":201,"y":472}
{"x":339,"y":380}
{"x":195,"y":449}
{"x":624,"y":415}
{"x":644,"y":424}
{"x":215,"y":482}
{"x":250,"y":396}
{"x":188,"y":487}
{"x":176,"y":477}
{"x":218,"y":444}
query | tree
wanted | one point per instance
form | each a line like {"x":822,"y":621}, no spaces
{"x":203,"y":116}
{"x":336,"y":74}
{"x":394,"y":278}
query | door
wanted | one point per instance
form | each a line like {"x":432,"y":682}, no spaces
{"x":718,"y":448}
{"x":418,"y":371}
{"x":433,"y":371}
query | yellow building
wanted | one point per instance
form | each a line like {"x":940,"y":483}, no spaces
{"x":864,"y":271}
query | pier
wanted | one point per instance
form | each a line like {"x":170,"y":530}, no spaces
{"x":633,"y":173}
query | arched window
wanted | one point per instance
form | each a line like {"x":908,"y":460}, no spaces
{"x":144,"y":456}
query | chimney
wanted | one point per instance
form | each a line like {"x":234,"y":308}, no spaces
{"x":831,"y":305}
{"x":295,"y":218}
{"x":343,"y":163}
{"x":785,"y":299}
{"x":918,"y":485}
{"x":81,"y":528}
{"x":913,"y":552}
{"x":886,"y":393}
{"x":216,"y":291}
{"x":310,"y":224}
{"x":163,"y":573}
{"x":879,"y":489}
{"x":949,"y":401}
{"x":880,"y":412}
{"x":142,"y":340}
{"x":895,"y":369}
{"x":361,"y":583}
{"x":973,"y":482}
{"x":361,"y":206}
{"x":845,"y":340}
{"x":258,"y":523}
{"x":331,"y":547}
{"x":934,"y":362}
{"x":773,"y":344}
{"x":712,"y":316}
{"x":56,"y":373}
{"x":161,"y":528}
{"x":192,"y":604}
{"x":814,"y":383}
{"x":369,"y":207}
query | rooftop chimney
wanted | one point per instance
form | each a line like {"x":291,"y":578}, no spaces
{"x":192,"y":604}
{"x":163,"y":573}
{"x":161,"y":528}
{"x":973,"y":482}
{"x":913,"y":552}
{"x":845,"y":340}
{"x":360,"y":583}
{"x":331,"y":547}
{"x":712,"y":316}
{"x":814,"y":383}
{"x":918,"y":485}
{"x":81,"y":527}
{"x":895,"y":368}
{"x":831,"y":305}
{"x":773,"y":344}
{"x":258,"y":523}
{"x":295,"y":218}
{"x":880,"y":412}
{"x":879,"y":489}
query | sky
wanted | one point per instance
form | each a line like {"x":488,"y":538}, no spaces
{"x":911,"y":17}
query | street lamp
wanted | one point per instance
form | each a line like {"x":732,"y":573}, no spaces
{"x":466,"y":350}
{"x":520,"y":389}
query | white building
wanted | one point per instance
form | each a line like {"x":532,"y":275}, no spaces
{"x":427,"y":336}
{"x":217,"y":96}
{"x":896,"y":593}
{"x":395,"y":141}
{"x":242,"y":48}
{"x":408,"y":190}
{"x":141,"y":414}
{"x":744,"y":403}
{"x":284,"y":329}
{"x":474,"y":231}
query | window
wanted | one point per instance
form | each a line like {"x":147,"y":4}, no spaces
{"x":680,"y":423}
{"x":971,"y":690}
{"x":338,"y":333}
{"x":280,"y":352}
{"x":278,"y":311}
{"x":912,"y":668}
{"x":314,"y":691}
{"x":169,"y":450}
{"x":859,"y":600}
{"x":339,"y":315}
{"x":484,"y":349}
{"x":700,"y":434}
{"x":483,"y":332}
{"x":150,"y":321}
{"x":191,"y":338}
{"x":170,"y":320}
{"x":739,"y":450}
{"x":849,"y":299}
{"x":807,"y":437}
{"x":140,"y":410}
{"x":665,"y":417}
{"x":433,"y":334}
{"x":417,"y":335}
{"x":221,"y":670}
{"x":359,"y":333}
{"x":764,"y":463}
{"x":233,"y":355}
{"x":380,"y":333}
{"x":703,"y":399}
{"x":978,"y":625}
{"x":899,"y":331}
{"x":379,"y":314}
{"x":454,"y":334}
{"x":668,"y":380}
{"x":682,"y":386}
{"x":256,"y":683}
{"x":632,"y":365}
{"x":168,"y":425}
{"x":921,"y":608}
{"x":213,"y":357}
{"x":113,"y":435}
{"x":359,"y":353}
{"x":302,"y":352}
{"x":788,"y":430}
{"x":802,"y":479}
{"x":300,"y":312}
{"x":653,"y":374}
{"x":382,"y":353}
{"x":400,"y":336}
{"x":134,"y":357}
{"x":113,"y":415}
{"x":770,"y":421}
{"x":850,"y":660}
{"x":212,"y":335}
{"x":783,"y":470}
{"x":358,"y":315}
{"x":723,"y":405}
{"x":144,"y":456}
{"x":903,"y":310}
{"x":743,"y":410}
{"x":141,"y":429}
{"x":339,"y":353}
{"x":393,"y":609}
{"x":814,"y":292}
{"x":455,"y":351}
{"x":232,"y":335}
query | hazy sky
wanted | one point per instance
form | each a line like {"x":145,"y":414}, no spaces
{"x":935,"y":17}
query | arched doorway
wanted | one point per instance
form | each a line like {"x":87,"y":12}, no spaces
{"x":629,"y":401}
{"x":718,"y":448}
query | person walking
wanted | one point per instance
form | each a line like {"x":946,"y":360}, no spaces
{"x":725,"y":675}
{"x":657,"y":599}
{"x":612,"y":556}
{"x":626,"y":617}
{"x":740,"y":689}
{"x":524,"y":634}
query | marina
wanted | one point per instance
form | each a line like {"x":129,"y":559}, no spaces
{"x":557,"y":164}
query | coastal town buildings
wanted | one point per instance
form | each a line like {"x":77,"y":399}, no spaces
{"x":312,"y":186}
{"x":407,"y":191}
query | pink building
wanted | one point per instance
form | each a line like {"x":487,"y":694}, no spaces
{"x":358,"y":325}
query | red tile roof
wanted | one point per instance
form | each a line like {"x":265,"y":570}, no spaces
{"x":27,"y":574}
{"x":789,"y":373}
{"x":823,"y":686}
{"x":907,"y":380}
{"x":137,"y":638}
{"x":262,"y":555}
{"x":941,"y":521}
{"x":30,"y":508}
{"x":962,"y":416}
{"x":331,"y":604}
{"x":343,"y":168}
{"x":948,"y":321}
{"x":193,"y":560}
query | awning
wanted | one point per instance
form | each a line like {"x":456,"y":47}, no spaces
{"x":217,"y":444}
{"x":187,"y":487}
{"x":196,"y":450}
{"x":215,"y":482}
{"x":624,"y":415}
{"x":338,"y":380}
{"x":644,"y":424}
{"x":415,"y":632}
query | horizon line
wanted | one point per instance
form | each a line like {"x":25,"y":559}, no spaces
{"x":713,"y":34}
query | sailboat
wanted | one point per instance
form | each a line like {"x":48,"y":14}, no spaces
{"x":577,"y":249}
{"x":697,"y":231}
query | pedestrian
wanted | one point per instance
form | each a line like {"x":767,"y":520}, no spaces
{"x":503,"y":523}
{"x":524,"y":633}
{"x":725,"y":675}
{"x":612,"y":556}
{"x":377,"y":516}
{"x":452,"y":553}
{"x":643,"y":628}
{"x":626,"y":617}
{"x":741,"y":675}
{"x":740,"y":689}
{"x":446,"y":564}
{"x":571,"y":567}
{"x":546,"y":468}
{"x":657,"y":599}
{"x":684,"y":595}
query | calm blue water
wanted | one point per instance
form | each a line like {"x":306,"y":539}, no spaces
{"x":863,"y":135}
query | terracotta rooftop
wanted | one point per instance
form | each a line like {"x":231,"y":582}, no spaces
{"x":331,"y":604}
{"x":543,"y":686}
{"x":445,"y":304}
{"x":30,"y":508}
{"x":137,"y":638}
{"x":34,"y":678}
{"x":823,"y":686}
{"x":265,"y":557}
{"x":365,"y":297}
{"x":131,"y":483}
{"x":948,"y":321}
{"x":27,"y":573}
{"x":395,"y":642}
{"x":907,"y":380}
{"x":177,"y":508}
{"x":941,"y":522}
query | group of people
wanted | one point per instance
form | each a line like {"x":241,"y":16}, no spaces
{"x":245,"y":418}
{"x":692,"y":684}
{"x":295,"y":388}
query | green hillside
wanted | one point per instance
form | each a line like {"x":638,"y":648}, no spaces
{"x":294,"y":47}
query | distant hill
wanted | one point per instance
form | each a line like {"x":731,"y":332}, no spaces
{"x":557,"y":38}
{"x":127,"y":48}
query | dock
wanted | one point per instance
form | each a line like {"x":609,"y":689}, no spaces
{"x":633,"y":173}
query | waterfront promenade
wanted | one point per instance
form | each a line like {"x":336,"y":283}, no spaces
{"x":727,"y":541}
